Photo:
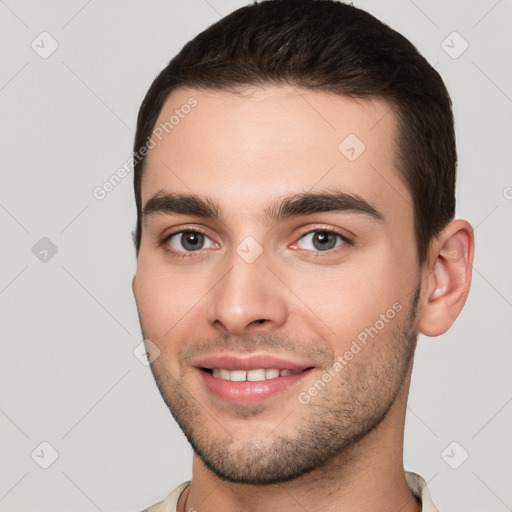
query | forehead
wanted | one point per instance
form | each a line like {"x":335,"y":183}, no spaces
{"x":244,"y":148}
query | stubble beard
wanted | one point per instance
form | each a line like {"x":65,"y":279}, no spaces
{"x":330,"y":424}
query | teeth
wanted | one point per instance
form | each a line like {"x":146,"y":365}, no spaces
{"x":271,"y":374}
{"x":238,"y":375}
{"x":255,"y":375}
{"x":251,"y":375}
{"x":224,"y":374}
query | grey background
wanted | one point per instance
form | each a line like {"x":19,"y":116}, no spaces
{"x":68,"y":374}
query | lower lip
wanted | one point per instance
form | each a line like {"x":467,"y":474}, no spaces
{"x":250,"y":392}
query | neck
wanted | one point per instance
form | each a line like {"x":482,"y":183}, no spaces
{"x":368,"y":475}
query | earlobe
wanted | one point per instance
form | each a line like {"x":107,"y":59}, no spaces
{"x":449,"y":278}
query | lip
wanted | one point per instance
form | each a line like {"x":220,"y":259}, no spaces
{"x":250,"y":362}
{"x":246,"y":393}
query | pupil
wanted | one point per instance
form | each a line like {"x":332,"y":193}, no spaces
{"x":192,"y":241}
{"x":324,"y":240}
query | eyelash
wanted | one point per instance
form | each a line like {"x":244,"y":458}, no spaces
{"x":316,"y":254}
{"x":324,"y":254}
{"x":180,"y":254}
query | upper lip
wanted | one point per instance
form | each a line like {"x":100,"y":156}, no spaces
{"x":249,"y":362}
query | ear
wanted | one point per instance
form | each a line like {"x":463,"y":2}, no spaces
{"x":133,"y":286}
{"x":448,"y":277}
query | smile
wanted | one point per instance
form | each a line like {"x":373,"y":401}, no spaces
{"x":250,"y":378}
{"x":251,"y":375}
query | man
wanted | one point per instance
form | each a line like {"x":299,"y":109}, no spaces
{"x":295,"y":190}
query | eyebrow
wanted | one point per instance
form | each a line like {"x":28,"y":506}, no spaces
{"x":294,"y":205}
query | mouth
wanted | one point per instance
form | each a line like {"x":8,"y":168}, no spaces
{"x":250,"y":379}
{"x":251,"y":375}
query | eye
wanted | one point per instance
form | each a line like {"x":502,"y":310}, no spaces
{"x":321,"y":240}
{"x":188,"y":241}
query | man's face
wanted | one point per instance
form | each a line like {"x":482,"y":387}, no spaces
{"x":318,"y":300}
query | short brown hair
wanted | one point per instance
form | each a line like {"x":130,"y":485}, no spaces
{"x":330,"y":46}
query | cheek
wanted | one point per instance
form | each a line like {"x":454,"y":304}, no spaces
{"x":353,"y":298}
{"x":165,"y":299}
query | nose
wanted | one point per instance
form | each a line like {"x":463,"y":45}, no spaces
{"x":248,"y":298}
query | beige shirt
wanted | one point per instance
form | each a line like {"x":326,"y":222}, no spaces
{"x":417,"y":485}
